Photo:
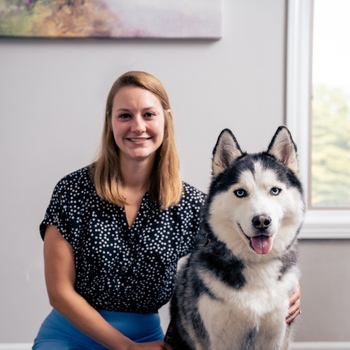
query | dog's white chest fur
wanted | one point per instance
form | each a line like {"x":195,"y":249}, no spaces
{"x":236,"y":316}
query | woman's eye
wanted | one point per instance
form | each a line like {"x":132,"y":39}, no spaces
{"x":275,"y":191}
{"x":124,"y":116}
{"x":240,"y":193}
{"x":149,"y":115}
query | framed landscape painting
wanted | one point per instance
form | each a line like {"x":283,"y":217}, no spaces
{"x":192,"y":19}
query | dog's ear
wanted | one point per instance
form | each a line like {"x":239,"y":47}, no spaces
{"x":225,"y":152}
{"x":283,"y":148}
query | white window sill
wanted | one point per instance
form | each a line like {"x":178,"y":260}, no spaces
{"x":326,"y":224}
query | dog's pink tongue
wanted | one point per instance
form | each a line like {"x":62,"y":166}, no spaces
{"x":262,"y":244}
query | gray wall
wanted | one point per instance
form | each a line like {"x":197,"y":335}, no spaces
{"x":325,"y":283}
{"x":52,"y":96}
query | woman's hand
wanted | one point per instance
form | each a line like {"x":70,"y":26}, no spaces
{"x":294,"y":305}
{"x":158,"y":345}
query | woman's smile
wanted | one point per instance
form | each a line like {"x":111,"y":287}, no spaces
{"x":138,"y":140}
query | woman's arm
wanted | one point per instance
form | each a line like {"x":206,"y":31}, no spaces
{"x":60,"y":281}
{"x":294,"y":305}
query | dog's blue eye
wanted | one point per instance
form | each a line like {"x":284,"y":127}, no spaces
{"x":275,"y":191}
{"x":240,"y":193}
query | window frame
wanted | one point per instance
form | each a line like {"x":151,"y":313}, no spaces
{"x":322,"y":223}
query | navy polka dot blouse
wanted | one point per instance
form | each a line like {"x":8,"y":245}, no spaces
{"x":122,"y":268}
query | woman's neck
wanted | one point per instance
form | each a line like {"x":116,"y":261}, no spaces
{"x":136,"y":175}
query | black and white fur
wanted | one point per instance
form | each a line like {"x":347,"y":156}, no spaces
{"x":233,"y":292}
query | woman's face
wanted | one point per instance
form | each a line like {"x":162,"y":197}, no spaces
{"x":137,"y":123}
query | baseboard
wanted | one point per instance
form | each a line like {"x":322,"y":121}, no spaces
{"x":294,"y":346}
{"x":14,"y":346}
{"x":320,"y":346}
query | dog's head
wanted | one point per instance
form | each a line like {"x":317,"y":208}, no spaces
{"x":255,"y":202}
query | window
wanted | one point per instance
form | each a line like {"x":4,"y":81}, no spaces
{"x":330,"y":107}
{"x":328,"y":213}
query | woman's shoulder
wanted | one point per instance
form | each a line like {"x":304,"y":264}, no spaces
{"x":193,"y":194}
{"x":77,"y":179}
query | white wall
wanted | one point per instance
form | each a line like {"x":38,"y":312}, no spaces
{"x":52,"y":96}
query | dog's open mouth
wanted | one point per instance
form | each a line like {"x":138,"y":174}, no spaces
{"x":261,"y":244}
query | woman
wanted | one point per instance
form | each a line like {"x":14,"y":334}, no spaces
{"x":114,"y":231}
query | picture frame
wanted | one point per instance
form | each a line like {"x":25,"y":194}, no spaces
{"x":57,"y":19}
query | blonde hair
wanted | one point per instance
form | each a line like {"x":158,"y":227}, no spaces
{"x":165,"y":182}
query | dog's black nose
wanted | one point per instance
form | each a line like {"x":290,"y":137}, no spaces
{"x":261,"y":221}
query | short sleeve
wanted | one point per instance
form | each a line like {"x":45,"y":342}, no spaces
{"x":57,"y":212}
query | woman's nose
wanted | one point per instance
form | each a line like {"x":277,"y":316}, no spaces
{"x":138,"y":124}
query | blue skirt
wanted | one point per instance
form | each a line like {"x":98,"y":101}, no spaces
{"x":57,"y":333}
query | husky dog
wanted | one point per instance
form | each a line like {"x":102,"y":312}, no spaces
{"x":233,"y":292}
